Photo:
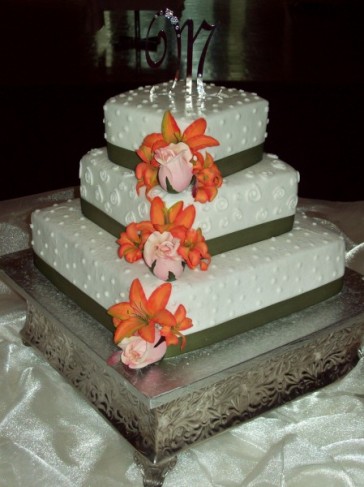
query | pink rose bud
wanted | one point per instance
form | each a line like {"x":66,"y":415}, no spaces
{"x":175,"y":171}
{"x":137,"y":353}
{"x":161,"y":256}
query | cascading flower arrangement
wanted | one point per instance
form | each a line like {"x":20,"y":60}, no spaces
{"x":173,"y":159}
{"x":167,"y":242}
{"x":145,"y":328}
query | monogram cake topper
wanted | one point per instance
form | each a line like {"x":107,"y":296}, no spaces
{"x":191,"y":38}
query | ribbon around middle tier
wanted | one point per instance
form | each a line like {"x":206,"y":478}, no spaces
{"x":217,"y":245}
{"x":227,"y":165}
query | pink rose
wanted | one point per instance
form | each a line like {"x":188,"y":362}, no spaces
{"x":136,"y":353}
{"x":161,"y":255}
{"x":175,"y":170}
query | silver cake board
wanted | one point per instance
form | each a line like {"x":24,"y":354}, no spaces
{"x":166,"y":407}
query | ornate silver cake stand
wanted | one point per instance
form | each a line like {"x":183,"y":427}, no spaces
{"x":166,"y":407}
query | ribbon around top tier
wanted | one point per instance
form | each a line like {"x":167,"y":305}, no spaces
{"x":227,"y":165}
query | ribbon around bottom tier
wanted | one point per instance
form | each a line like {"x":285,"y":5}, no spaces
{"x":216,"y":245}
{"x":209,"y":336}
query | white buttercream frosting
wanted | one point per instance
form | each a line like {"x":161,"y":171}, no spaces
{"x":264,"y":192}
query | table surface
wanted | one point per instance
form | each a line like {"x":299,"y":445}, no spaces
{"x":51,"y":436}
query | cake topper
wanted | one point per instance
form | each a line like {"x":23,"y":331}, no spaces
{"x":191,"y":38}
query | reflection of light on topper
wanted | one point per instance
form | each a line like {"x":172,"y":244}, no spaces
{"x":191,"y":38}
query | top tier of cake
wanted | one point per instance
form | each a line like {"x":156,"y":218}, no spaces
{"x":236,"y":118}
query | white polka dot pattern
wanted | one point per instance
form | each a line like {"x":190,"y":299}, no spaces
{"x":129,"y":117}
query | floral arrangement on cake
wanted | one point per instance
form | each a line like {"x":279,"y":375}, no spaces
{"x":167,"y":242}
{"x":145,"y":328}
{"x":173,"y":159}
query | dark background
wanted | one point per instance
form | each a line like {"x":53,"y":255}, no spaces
{"x":61,"y":60}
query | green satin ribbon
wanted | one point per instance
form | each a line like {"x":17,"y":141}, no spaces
{"x":207,"y":337}
{"x":228,"y":165}
{"x":216,"y":245}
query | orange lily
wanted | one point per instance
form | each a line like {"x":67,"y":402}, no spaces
{"x":208,"y":179}
{"x":194,"y":135}
{"x":146,"y":171}
{"x":173,"y":333}
{"x":173,"y":218}
{"x":147,"y":175}
{"x":133,"y":239}
{"x":149,"y":145}
{"x":141,"y":314}
{"x":194,"y":250}
{"x":176,"y":220}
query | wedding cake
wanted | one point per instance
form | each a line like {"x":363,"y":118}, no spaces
{"x":186,"y":232}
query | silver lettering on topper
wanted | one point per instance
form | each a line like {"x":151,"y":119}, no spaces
{"x":191,"y":39}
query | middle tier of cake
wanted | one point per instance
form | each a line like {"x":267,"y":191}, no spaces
{"x":242,"y":288}
{"x":251,"y":205}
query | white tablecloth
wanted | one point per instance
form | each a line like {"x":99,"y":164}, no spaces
{"x":50,"y":436}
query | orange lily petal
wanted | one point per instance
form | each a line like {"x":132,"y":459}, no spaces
{"x":170,"y":130}
{"x":201,"y":141}
{"x":127,"y":328}
{"x":130,"y":254}
{"x":148,"y":332}
{"x":158,"y":144}
{"x":145,"y":151}
{"x":201,"y":195}
{"x":165,"y":318}
{"x":193,"y":258}
{"x":122,"y":311}
{"x":197,"y":127}
{"x":174,"y":211}
{"x":180,"y":313}
{"x":186,"y":217}
{"x":157,"y":211}
{"x":137,"y":296}
{"x":204,"y":264}
{"x":178,"y":232}
{"x":159,"y":298}
{"x":171,"y":339}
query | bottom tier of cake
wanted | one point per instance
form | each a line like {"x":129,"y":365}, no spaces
{"x":242,"y":289}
